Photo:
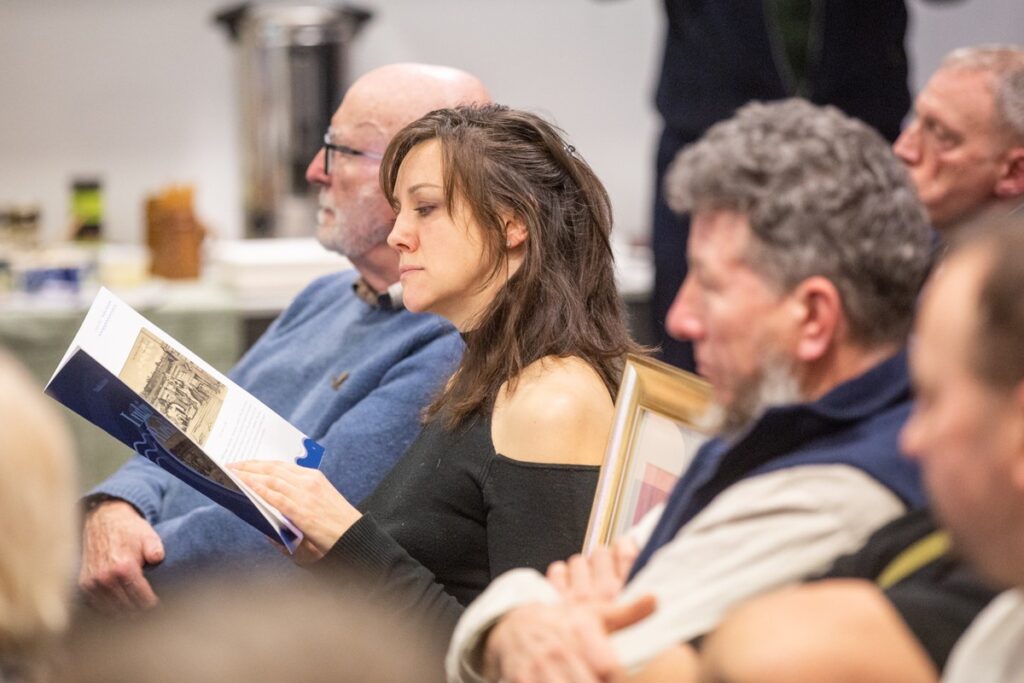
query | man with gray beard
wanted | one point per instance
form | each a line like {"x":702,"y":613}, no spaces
{"x":807,"y":252}
{"x":345,"y":363}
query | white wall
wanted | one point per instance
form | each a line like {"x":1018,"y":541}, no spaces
{"x":138,"y":92}
{"x":936,"y":28}
{"x":143,"y":91}
{"x":588,"y":65}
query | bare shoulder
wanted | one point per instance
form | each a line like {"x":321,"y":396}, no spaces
{"x":559,"y":412}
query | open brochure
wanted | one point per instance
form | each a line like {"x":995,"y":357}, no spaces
{"x":128,"y":377}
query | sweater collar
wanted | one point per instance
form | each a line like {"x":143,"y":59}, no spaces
{"x":389,"y":300}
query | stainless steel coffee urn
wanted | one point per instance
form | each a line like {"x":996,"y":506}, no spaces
{"x":292,"y":73}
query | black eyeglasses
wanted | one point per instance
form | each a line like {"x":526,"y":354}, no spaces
{"x":331,"y":148}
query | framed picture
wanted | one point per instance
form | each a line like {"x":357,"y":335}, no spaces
{"x":654,"y":437}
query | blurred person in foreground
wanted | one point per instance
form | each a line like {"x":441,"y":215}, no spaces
{"x":253,"y":630}
{"x":807,"y":255}
{"x":964,"y":147}
{"x":967,"y":431}
{"x":37,"y":544}
{"x":345,"y":363}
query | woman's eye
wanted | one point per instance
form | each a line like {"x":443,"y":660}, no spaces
{"x":424,"y":210}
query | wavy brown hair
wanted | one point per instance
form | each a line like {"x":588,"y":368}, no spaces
{"x":562,"y":301}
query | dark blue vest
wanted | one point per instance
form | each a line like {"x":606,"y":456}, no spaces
{"x":855,"y":424}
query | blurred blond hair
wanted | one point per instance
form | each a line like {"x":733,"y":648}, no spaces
{"x":38,"y":544}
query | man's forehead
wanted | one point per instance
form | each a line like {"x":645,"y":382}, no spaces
{"x":965,"y":95}
{"x":719,"y":232}
{"x":952,"y":79}
{"x":349,"y":129}
{"x":359,"y":115}
{"x":721,"y":222}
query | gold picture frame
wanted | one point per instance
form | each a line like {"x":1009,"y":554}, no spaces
{"x":654,"y":436}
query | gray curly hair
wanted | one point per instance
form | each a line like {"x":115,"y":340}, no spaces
{"x":824,"y":196}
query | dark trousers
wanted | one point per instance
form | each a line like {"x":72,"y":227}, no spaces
{"x":668,"y":242}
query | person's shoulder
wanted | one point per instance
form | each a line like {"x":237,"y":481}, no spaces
{"x":326,"y":298}
{"x":558,"y":412}
{"x":562,"y":388}
{"x":331,"y":285}
{"x":326,"y":291}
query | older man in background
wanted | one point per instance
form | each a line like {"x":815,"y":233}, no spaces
{"x":964,"y":147}
{"x":345,"y":363}
{"x":806,"y":258}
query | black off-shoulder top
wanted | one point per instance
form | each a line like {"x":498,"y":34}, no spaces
{"x":453,"y":514}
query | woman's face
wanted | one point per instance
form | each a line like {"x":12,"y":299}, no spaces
{"x":443,"y":265}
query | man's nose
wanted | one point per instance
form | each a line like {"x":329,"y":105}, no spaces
{"x":908,"y":145}
{"x":315,"y":174}
{"x":682,"y":321}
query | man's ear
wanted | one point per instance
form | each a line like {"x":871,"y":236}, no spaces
{"x":515,"y":231}
{"x":1011,"y":182}
{"x":819,"y":312}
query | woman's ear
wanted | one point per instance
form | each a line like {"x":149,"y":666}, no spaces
{"x":515,"y":231}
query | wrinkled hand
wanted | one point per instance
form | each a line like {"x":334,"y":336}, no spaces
{"x":117,"y":542}
{"x":598,"y":578}
{"x":559,"y":643}
{"x":306,"y":498}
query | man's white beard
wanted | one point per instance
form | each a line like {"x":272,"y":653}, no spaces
{"x":352,"y":230}
{"x":776,"y":385}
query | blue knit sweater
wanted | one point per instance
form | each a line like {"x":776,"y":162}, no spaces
{"x":395,"y":362}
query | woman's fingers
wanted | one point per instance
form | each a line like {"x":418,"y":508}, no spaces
{"x":284,"y":485}
{"x":261,"y":466}
{"x":278,"y":492}
{"x":305,"y":497}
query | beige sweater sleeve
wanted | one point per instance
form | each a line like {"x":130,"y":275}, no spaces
{"x":762,"y":533}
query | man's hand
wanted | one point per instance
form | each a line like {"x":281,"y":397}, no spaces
{"x":555,"y":643}
{"x":117,"y":542}
{"x":595,"y":579}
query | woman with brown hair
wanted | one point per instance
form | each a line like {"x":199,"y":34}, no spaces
{"x":503,"y":229}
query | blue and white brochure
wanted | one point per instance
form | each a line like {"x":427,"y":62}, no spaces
{"x":134,"y":381}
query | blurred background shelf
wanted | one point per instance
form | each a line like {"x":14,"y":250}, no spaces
{"x":245,"y":284}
